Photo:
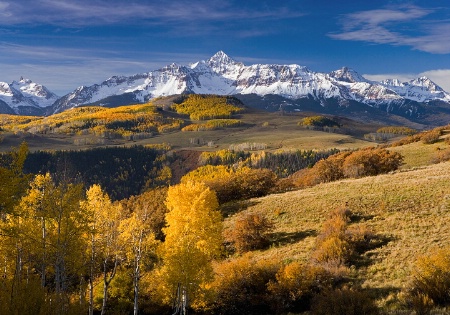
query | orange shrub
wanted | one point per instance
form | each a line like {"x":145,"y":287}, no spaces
{"x":249,"y":233}
{"x":296,"y":284}
{"x":240,"y":286}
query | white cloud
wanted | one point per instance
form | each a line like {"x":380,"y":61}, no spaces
{"x":440,"y":76}
{"x":400,"y":26}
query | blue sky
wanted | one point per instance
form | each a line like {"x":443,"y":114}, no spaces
{"x":65,"y":44}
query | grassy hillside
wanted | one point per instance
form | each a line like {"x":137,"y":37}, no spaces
{"x":408,"y":210}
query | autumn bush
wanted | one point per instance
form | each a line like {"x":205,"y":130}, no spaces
{"x":431,"y":279}
{"x":431,"y":136}
{"x":249,"y":232}
{"x":240,"y":286}
{"x":364,"y":162}
{"x":346,"y":301}
{"x":296,"y":284}
{"x":370,"y":162}
{"x":340,"y":243}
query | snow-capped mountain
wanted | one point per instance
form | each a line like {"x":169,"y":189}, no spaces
{"x":222,"y":75}
{"x":25,"y":97}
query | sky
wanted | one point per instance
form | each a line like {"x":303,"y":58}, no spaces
{"x":65,"y":44}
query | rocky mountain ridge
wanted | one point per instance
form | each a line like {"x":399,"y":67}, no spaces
{"x":222,"y":75}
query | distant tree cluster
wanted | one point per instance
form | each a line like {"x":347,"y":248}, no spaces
{"x":318,"y":121}
{"x":202,"y":107}
{"x":213,"y":124}
{"x":398,"y":130}
{"x":426,"y":137}
{"x":288,"y":162}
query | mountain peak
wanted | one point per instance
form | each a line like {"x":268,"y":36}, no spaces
{"x":347,"y":75}
{"x":221,"y":57}
{"x":222,"y":63}
{"x":426,"y":83}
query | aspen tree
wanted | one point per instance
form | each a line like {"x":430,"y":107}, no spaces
{"x":193,"y":238}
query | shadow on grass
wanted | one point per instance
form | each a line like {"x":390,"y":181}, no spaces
{"x":233,"y":207}
{"x":363,"y":256}
{"x":284,"y":238}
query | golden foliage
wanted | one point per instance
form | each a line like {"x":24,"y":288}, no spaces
{"x":318,"y":121}
{"x":124,"y":121}
{"x":240,"y":285}
{"x":296,"y":283}
{"x":230,"y":184}
{"x":431,"y":278}
{"x":249,"y":233}
{"x":398,"y":130}
{"x":201,"y":107}
{"x":213,"y":124}
{"x":193,"y":238}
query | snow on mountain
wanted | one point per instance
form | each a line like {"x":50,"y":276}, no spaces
{"x":26,"y":97}
{"x":222,"y":75}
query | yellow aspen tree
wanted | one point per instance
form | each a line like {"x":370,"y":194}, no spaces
{"x":193,"y":238}
{"x":105,"y":249}
{"x":139,"y":244}
{"x":50,"y":229}
{"x":97,"y":207}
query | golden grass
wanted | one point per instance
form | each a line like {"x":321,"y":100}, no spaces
{"x":419,"y":154}
{"x":409,"y":209}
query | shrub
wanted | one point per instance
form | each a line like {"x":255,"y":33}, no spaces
{"x":249,"y":233}
{"x":254,"y":182}
{"x":296,"y":284}
{"x":370,"y":162}
{"x":431,"y":278}
{"x":240,"y":286}
{"x":344,"y":301}
{"x":431,"y":136}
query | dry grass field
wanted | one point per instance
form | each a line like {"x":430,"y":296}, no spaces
{"x":409,"y":211}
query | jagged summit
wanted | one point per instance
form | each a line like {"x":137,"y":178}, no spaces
{"x":346,"y":74}
{"x":221,"y":63}
{"x":221,"y":57}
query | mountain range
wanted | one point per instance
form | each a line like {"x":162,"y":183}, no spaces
{"x":269,"y":86}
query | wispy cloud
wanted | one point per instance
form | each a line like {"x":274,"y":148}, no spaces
{"x":100,"y":12}
{"x":64,"y":69}
{"x":401,"y":26}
